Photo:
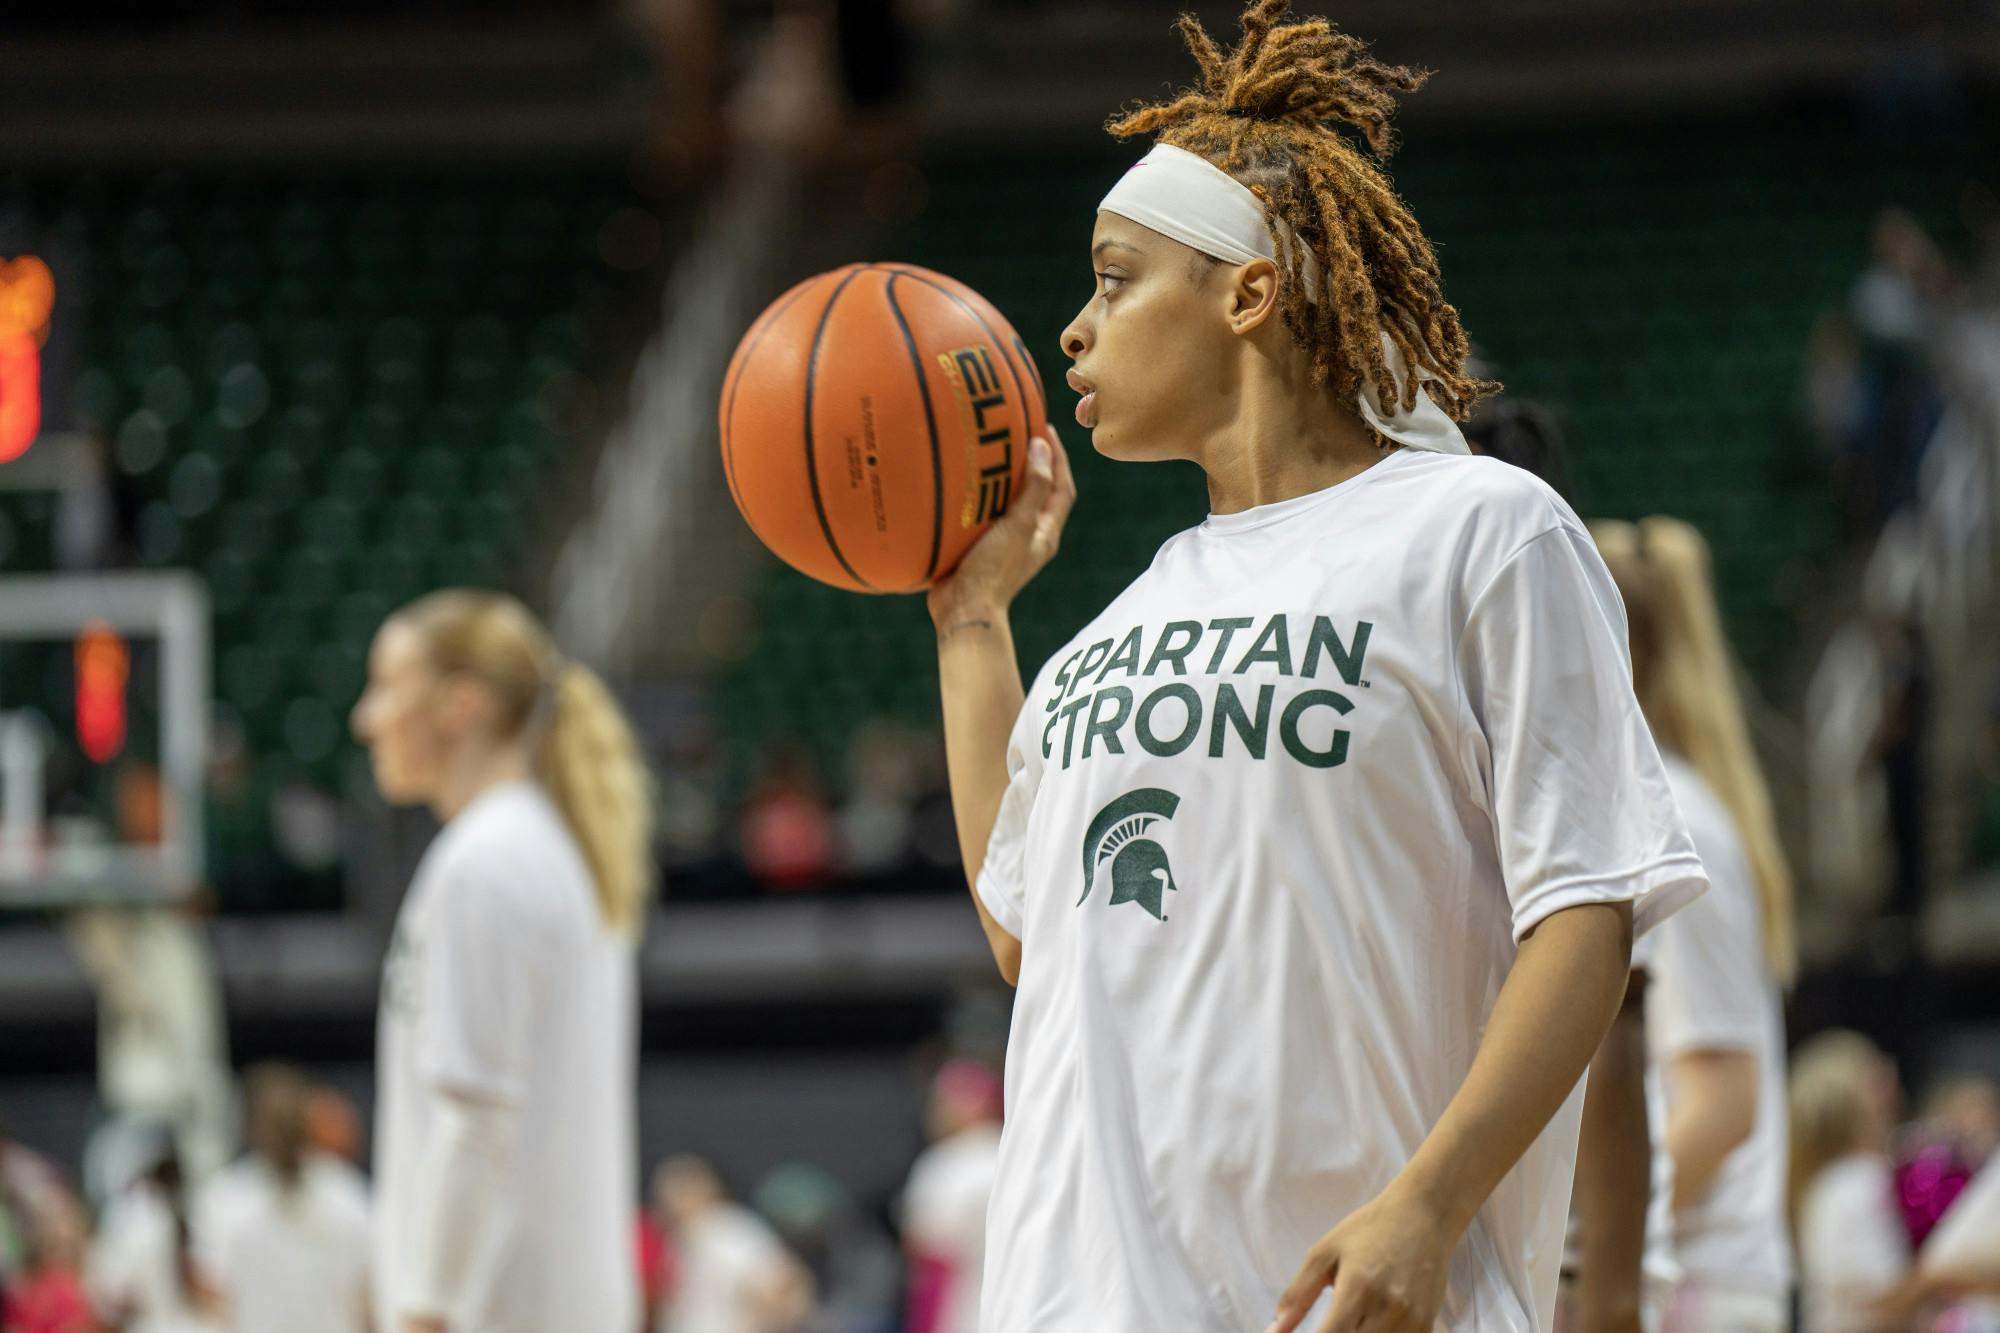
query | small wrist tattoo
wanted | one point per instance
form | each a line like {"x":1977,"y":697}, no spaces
{"x":956,"y":626}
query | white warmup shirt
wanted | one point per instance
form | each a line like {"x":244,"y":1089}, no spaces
{"x":135,"y":1273}
{"x":1276,"y":821}
{"x":944,"y":1216}
{"x":1852,"y":1245}
{"x":1709,"y":988}
{"x":504,"y":983}
{"x":729,"y":1260}
{"x":287,"y":1260}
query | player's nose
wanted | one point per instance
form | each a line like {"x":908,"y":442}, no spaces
{"x":1076,"y":339}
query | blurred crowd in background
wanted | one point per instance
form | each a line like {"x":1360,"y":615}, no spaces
{"x":278,"y":1239}
{"x":1890,"y":1198}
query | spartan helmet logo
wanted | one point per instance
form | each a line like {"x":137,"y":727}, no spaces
{"x":1139,"y":869}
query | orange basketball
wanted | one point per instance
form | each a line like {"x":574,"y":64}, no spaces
{"x":875,"y":420}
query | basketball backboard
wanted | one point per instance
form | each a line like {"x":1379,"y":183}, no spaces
{"x":104,"y":708}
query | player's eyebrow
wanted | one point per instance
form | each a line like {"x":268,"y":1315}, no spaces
{"x":1097,"y":251}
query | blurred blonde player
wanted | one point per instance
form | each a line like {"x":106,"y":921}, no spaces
{"x":281,"y":1235}
{"x":944,"y":1204}
{"x":1715,"y":1031}
{"x":1854,"y":1251}
{"x":1317,"y":856}
{"x":732,"y":1273}
{"x":504,"y":1125}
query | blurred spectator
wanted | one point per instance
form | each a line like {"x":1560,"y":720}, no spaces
{"x":42,"y":1291}
{"x":934,"y":827}
{"x":1980,"y":208}
{"x":691,"y":825}
{"x":305,"y":821}
{"x":96,"y":516}
{"x":1931,"y":1171}
{"x":241,"y":859}
{"x":787,"y":829}
{"x":162,"y":1049}
{"x":142,"y":1274}
{"x":25,"y":1176}
{"x":1871,"y":390}
{"x":659,"y":1268}
{"x":830,"y":81}
{"x":1916,"y":87}
{"x":1966,"y":1109}
{"x":1986,"y":818}
{"x":1852,"y":1246}
{"x":282,"y":1234}
{"x":333,"y":1126}
{"x":689,"y":138}
{"x":1903,"y":744}
{"x":876,"y":824}
{"x":851,"y":1259}
{"x":1961,"y":1259}
{"x":1520,"y":431}
{"x":944,"y":1204}
{"x":735,"y":1275}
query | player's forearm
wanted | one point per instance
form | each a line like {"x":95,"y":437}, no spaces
{"x":980,"y":681}
{"x":1714,"y":1110}
{"x":1548,"y":1020}
{"x":459,"y":1182}
{"x":1614,"y":1173}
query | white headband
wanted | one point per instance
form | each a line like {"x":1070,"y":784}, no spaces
{"x":1188,"y":198}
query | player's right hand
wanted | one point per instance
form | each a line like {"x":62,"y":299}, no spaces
{"x":1019,"y":543}
{"x":1386,"y":1265}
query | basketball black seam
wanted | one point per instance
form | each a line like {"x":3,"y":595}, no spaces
{"x":812,"y":465}
{"x":729,"y":413}
{"x":1026,"y":416}
{"x":1034,"y":370}
{"x":930,"y":420}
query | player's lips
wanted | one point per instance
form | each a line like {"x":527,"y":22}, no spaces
{"x":1086,"y":409}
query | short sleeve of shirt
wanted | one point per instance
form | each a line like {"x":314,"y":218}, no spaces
{"x":479,"y":979}
{"x":1000,"y":875}
{"x":1581,"y":809}
{"x":1708,"y":987}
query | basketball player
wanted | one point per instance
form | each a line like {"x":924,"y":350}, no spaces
{"x":282,"y":1233}
{"x":1317,"y":856}
{"x":1715,"y":1030}
{"x":505,"y":1060}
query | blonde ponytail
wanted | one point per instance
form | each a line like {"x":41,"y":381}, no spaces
{"x":590,"y":765}
{"x":1687,"y":684}
{"x":1829,"y":1079}
{"x":584,"y":753}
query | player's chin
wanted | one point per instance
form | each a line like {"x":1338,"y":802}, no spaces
{"x":393,"y":782}
{"x":1124,"y":445}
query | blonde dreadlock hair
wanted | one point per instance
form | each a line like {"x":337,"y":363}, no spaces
{"x":1265,"y":113}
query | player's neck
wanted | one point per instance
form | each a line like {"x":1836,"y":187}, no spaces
{"x":1286,"y":440}
{"x":476,"y":770}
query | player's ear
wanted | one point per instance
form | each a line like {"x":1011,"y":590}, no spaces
{"x":464,"y":702}
{"x":1252,"y":295}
